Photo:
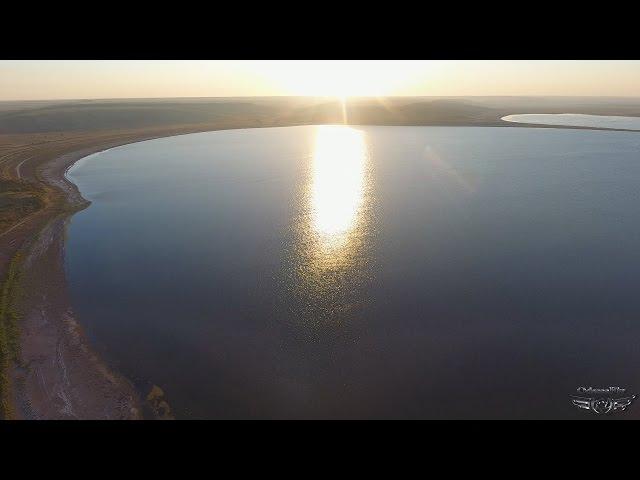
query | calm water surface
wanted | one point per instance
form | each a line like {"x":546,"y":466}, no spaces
{"x":366,"y":272}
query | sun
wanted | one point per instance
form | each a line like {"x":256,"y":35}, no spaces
{"x":340,"y":78}
{"x":331,"y":82}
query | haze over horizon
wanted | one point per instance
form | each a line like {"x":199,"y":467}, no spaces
{"x":107,"y":79}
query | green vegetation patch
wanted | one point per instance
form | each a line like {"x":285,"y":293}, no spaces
{"x":9,"y":333}
{"x":18,"y":199}
{"x":158,"y":404}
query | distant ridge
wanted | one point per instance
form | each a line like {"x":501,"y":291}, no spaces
{"x":99,"y":115}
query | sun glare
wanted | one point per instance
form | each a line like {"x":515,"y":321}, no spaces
{"x":338,"y":179}
{"x":342,"y":78}
{"x":337,"y":204}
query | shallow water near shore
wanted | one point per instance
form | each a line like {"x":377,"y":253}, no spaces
{"x":364,"y":272}
{"x":577,"y":120}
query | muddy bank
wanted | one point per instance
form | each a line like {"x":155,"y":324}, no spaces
{"x":58,"y":375}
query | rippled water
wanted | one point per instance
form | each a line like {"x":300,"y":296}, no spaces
{"x":365,"y":272}
{"x":577,"y":120}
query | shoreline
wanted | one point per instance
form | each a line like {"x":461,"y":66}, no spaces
{"x":545,"y":118}
{"x":58,"y":375}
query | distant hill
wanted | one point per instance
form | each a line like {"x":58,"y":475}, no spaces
{"x":97,"y":115}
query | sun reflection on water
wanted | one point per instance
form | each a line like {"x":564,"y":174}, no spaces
{"x":337,"y":184}
{"x":333,"y":232}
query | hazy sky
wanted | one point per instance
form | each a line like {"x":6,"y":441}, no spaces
{"x":36,"y":80}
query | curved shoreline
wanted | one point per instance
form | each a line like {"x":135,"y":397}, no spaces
{"x":59,"y":375}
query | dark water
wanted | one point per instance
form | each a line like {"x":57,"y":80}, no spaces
{"x":374,"y":272}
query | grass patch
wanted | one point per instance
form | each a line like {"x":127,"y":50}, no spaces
{"x":18,"y":199}
{"x":156,"y":401}
{"x":9,"y":333}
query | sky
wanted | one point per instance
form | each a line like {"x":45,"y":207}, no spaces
{"x":94,"y":79}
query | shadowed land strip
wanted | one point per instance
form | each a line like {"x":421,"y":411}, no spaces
{"x":9,"y":333}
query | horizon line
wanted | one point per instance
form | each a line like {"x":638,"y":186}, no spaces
{"x":85,"y":99}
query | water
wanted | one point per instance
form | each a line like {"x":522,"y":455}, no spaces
{"x":369,"y":272}
{"x":577,"y":120}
